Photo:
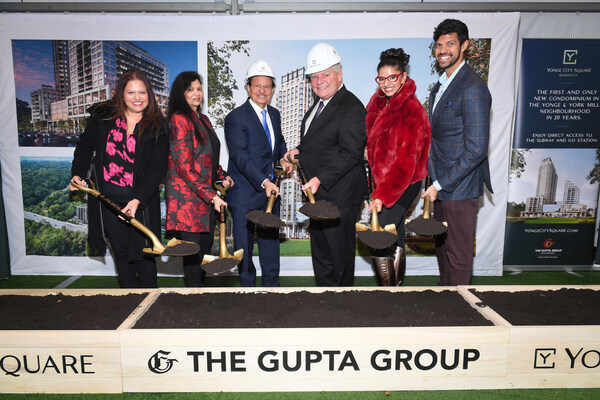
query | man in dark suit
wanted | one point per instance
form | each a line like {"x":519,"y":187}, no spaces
{"x":255,"y":143}
{"x":460,"y":105}
{"x":331,"y":153}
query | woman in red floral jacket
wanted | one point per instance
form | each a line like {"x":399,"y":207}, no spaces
{"x":398,"y":138}
{"x":192,"y":170}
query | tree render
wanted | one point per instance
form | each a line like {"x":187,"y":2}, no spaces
{"x":221,"y":83}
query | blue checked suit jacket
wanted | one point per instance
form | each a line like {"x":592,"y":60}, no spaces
{"x":460,"y":130}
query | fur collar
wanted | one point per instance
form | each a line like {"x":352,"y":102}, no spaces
{"x":102,"y":110}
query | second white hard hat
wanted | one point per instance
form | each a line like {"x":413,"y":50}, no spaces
{"x":321,"y":57}
{"x":260,"y":68}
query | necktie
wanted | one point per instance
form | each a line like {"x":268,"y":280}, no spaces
{"x":319,"y":108}
{"x":266,"y":126}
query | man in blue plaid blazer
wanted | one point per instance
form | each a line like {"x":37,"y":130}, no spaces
{"x":459,"y":113}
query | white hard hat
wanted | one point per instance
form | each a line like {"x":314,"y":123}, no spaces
{"x":260,"y":68}
{"x":321,"y":57}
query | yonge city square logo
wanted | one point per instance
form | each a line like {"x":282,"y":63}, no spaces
{"x":569,"y":57}
{"x":551,"y":358}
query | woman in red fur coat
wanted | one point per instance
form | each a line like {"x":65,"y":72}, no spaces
{"x":398,"y":138}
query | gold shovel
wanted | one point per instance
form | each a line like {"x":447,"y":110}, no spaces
{"x":374,"y":235}
{"x":225,"y":261}
{"x":266,"y":219}
{"x":174,"y":247}
{"x":319,"y":210}
{"x":425,"y":226}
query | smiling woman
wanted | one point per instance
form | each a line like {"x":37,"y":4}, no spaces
{"x":398,"y":136}
{"x":192,"y":171}
{"x":126,"y":143}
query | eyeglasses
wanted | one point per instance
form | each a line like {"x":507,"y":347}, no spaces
{"x":392,"y":78}
{"x":258,"y":87}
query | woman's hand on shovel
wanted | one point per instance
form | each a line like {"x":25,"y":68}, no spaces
{"x":218,"y":202}
{"x":375,"y":204}
{"x":131,"y":208}
{"x":228,"y":182}
{"x":78,"y":181}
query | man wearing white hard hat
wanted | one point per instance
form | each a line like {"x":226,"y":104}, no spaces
{"x":331,"y":152}
{"x":255,"y":143}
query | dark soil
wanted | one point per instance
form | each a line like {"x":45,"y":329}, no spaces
{"x":377,"y":239}
{"x":264,"y":219}
{"x":301,"y":309}
{"x":321,"y":210}
{"x":58,"y":311}
{"x":426,"y":226}
{"x":545,"y":307}
{"x":310,"y":310}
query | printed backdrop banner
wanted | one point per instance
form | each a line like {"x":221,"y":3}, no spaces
{"x":39,"y":130}
{"x":553,"y":193}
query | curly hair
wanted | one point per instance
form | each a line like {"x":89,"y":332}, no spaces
{"x":396,"y":58}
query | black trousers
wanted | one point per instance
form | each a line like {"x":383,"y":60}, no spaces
{"x":333,"y":248}
{"x":134,"y":267}
{"x":396,"y":215}
{"x":192,"y":271}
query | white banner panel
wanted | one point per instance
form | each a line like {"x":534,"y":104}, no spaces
{"x":370,"y":33}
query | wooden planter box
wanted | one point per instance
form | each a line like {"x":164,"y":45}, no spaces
{"x":62,"y":361}
{"x":131,"y":359}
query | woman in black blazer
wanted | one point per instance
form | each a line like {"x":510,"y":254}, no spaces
{"x":126,"y":142}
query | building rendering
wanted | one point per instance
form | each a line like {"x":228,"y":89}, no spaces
{"x":543,"y":205}
{"x":60,"y":60}
{"x":86,"y":72}
{"x":547,"y":181}
{"x":294,"y":99}
{"x":571,"y":193}
{"x":41,"y":99}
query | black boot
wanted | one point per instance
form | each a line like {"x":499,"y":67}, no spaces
{"x":384,"y":268}
{"x":399,"y":265}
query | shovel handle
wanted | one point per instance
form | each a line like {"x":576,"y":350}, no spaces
{"x":426,"y":207}
{"x":103,"y":199}
{"x":222,"y":243}
{"x":271,"y":203}
{"x":157,"y":246}
{"x":374,"y":221}
{"x":303,"y":180}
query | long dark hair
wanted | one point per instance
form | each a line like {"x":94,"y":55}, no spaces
{"x":177,"y":101}
{"x":396,"y":58}
{"x":152,"y":118}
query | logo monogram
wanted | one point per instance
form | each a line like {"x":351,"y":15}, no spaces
{"x":548,"y":243}
{"x":543,"y":358}
{"x":569,"y":57}
{"x":159,"y":363}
